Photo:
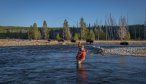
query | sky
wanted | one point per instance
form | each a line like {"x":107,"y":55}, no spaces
{"x":26,"y":12}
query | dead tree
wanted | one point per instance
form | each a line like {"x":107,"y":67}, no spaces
{"x":122,"y":32}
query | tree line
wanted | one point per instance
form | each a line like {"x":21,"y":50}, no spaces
{"x":109,"y":31}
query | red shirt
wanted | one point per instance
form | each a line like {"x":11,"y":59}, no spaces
{"x":82,"y":55}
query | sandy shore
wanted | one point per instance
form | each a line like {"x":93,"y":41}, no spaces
{"x":20,"y":42}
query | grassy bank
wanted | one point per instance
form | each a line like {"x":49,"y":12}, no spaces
{"x":20,"y":42}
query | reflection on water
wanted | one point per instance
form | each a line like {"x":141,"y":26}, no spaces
{"x":122,"y":61}
{"x":81,"y":74}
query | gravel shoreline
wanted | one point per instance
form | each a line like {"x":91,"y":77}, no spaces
{"x":134,"y":51}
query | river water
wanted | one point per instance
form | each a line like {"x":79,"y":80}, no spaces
{"x":57,"y":65}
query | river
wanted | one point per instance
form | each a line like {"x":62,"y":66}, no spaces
{"x":57,"y":65}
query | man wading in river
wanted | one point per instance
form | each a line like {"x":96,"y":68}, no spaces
{"x":81,"y":55}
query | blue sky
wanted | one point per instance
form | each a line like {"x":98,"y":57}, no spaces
{"x":26,"y":12}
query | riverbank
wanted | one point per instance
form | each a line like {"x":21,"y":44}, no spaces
{"x":20,"y":42}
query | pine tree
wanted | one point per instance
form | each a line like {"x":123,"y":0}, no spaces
{"x":45,"y":31}
{"x":30,"y":33}
{"x":8,"y":33}
{"x":102,"y":35}
{"x":91,"y":35}
{"x":96,"y":33}
{"x":76,"y":37}
{"x":83,"y":32}
{"x":67,"y":34}
{"x":58,"y":37}
{"x":99,"y":34}
{"x":36,"y":32}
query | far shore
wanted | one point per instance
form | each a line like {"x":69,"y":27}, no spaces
{"x":22,"y":42}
